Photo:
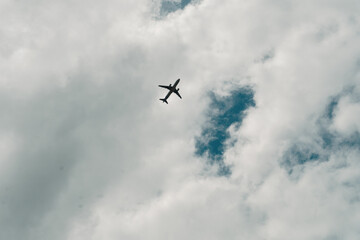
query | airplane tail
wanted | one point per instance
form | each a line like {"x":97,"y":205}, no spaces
{"x":164,"y":100}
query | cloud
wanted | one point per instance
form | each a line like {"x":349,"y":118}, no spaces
{"x":346,"y":117}
{"x":88,"y":151}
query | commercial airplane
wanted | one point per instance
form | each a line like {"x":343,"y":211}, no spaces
{"x":171,"y":90}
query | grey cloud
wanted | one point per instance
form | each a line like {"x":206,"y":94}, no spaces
{"x":90,"y":152}
{"x":59,"y":130}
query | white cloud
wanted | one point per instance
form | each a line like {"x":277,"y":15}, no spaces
{"x":347,"y":117}
{"x":88,"y":151}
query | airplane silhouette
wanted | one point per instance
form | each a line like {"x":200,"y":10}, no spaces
{"x":171,"y":90}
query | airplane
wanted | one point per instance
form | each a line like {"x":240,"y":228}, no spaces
{"x":171,"y":90}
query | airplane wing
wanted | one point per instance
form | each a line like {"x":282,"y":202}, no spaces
{"x":177,"y":93}
{"x":167,"y":87}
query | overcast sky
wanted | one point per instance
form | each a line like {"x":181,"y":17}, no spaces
{"x":264,"y":145}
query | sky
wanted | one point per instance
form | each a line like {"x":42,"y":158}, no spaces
{"x":264,"y":144}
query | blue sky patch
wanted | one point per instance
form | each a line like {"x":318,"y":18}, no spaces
{"x":223,"y":112}
{"x":300,"y":154}
{"x":328,"y":142}
{"x":172,"y":6}
{"x":331,"y":108}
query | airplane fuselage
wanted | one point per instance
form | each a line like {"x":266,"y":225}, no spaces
{"x":173,"y":88}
